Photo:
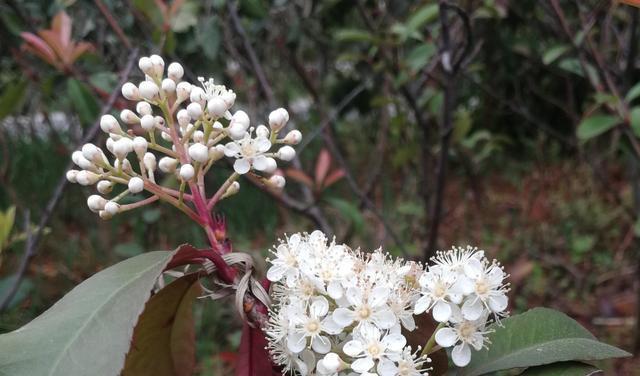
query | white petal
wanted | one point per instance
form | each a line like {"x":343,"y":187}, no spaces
{"x":335,"y":290}
{"x":231,"y":149}
{"x":241,"y":166}
{"x":441,"y":311}
{"x":276,"y":272}
{"x":461,"y":355}
{"x":387,"y":368}
{"x":362,"y":365}
{"x":422,"y":305}
{"x":330,"y":326}
{"x":319,"y":307}
{"x":260,"y":162}
{"x":463,"y":286}
{"x":343,"y":316}
{"x":321,"y":344}
{"x":408,"y":322}
{"x":354,"y":295}
{"x":472,"y":309}
{"x":446,"y":337}
{"x":263,"y":144}
{"x":473,"y":268}
{"x":495,"y":276}
{"x":385,"y":318}
{"x":296,"y":342}
{"x":378,"y":297}
{"x":394,"y":342}
{"x":498,"y":303}
{"x":353,"y":348}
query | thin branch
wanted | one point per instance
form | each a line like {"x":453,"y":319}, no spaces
{"x":31,"y":247}
{"x":113,"y":23}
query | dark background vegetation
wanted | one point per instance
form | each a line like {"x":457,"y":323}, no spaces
{"x":510,"y":125}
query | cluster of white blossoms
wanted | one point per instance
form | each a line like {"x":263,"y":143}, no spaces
{"x":339,"y":311}
{"x":182,"y":129}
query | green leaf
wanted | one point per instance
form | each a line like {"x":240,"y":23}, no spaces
{"x":554,"y":53}
{"x":164,"y":339}
{"x":12,"y":98}
{"x":353,"y":35}
{"x":571,"y":65}
{"x":83,"y":101}
{"x":563,"y":369}
{"x":89,"y":330}
{"x":633,"y":93}
{"x":424,"y":15}
{"x":596,"y":125}
{"x":536,"y":337}
{"x":420,"y":56}
{"x":634,"y":117}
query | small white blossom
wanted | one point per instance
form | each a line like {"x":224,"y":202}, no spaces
{"x":249,"y":153}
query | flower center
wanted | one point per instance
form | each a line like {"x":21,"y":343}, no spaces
{"x":482,"y":287}
{"x":313,"y":327}
{"x":466,"y":330}
{"x":307,"y":288}
{"x":247,"y":149}
{"x":291,"y":261}
{"x":374,"y":350}
{"x":364,"y":312}
{"x":440,"y":290}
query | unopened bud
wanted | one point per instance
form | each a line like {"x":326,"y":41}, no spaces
{"x":148,"y":90}
{"x":85,"y":177}
{"x":183,"y":117}
{"x":71,"y":176}
{"x":146,"y":65}
{"x":240,"y":118}
{"x":149,"y":161}
{"x":136,"y":185}
{"x":130,"y":91}
{"x":168,"y":164}
{"x":96,"y":203}
{"x":217,"y":107}
{"x":143,"y":108}
{"x":91,"y":153}
{"x":175,"y":71}
{"x":147,"y":122}
{"x":293,"y":138}
{"x":78,"y":158}
{"x":286,"y":153}
{"x":197,"y":95}
{"x":109,"y":124}
{"x":194,"y":110}
{"x":168,"y":85}
{"x":187,"y":172}
{"x":104,"y":186}
{"x":198,"y":136}
{"x":277,"y":181}
{"x":199,"y":153}
{"x":262,"y":131}
{"x":216,"y":152}
{"x":129,"y":117}
{"x":158,"y":65}
{"x":112,"y":208}
{"x":140,"y":145}
{"x":122,"y":147}
{"x":232,"y":190}
{"x":183,"y":90}
{"x":278,"y":119}
{"x":166,"y":136}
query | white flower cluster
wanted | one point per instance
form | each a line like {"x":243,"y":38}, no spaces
{"x":196,"y":128}
{"x":340,"y":312}
{"x":464,"y":291}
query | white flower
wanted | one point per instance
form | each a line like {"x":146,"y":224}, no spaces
{"x":249,"y":152}
{"x":366,"y":309}
{"x":286,"y":263}
{"x":310,"y":326}
{"x":487,"y":291}
{"x":439,"y":292}
{"x":370,"y":345}
{"x":463,"y":335}
{"x":409,"y":364}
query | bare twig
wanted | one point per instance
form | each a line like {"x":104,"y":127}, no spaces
{"x":113,"y":23}
{"x":31,"y":246}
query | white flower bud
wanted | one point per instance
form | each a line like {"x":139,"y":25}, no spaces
{"x":236,"y":131}
{"x":109,"y":124}
{"x":85,"y":177}
{"x":130,"y":91}
{"x":91,"y":153}
{"x":175,"y":71}
{"x":122,"y":147}
{"x":216,"y":152}
{"x":158,"y":65}
{"x":277,"y":181}
{"x":148,"y":90}
{"x":194,"y":110}
{"x":187,"y":172}
{"x":126,"y":165}
{"x":197,"y":95}
{"x":159,"y":121}
{"x":147,"y":122}
{"x":136,"y":185}
{"x":293,"y":137}
{"x":168,"y":85}
{"x":183,"y":117}
{"x":271,"y":166}
{"x":262,"y":131}
{"x":331,"y":362}
{"x":166,"y":136}
{"x":198,"y":136}
{"x":278,"y":119}
{"x":145,"y":65}
{"x":168,"y":164}
{"x":112,"y":208}
{"x":232,"y":190}
{"x":96,"y":203}
{"x":229,"y":97}
{"x":71,"y":176}
{"x":217,"y":125}
{"x":140,"y":145}
{"x":240,"y":118}
{"x":143,"y":108}
{"x":104,"y":186}
{"x":183,"y":90}
{"x":199,"y":153}
{"x":217,"y":107}
{"x":286,"y":153}
{"x":104,"y":215}
{"x":78,"y":158}
{"x":109,"y":144}
{"x":149,"y":161}
{"x":129,"y":117}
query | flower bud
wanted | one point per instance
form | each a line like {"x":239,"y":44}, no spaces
{"x":147,"y":122}
{"x":112,"y":208}
{"x":232,"y":190}
{"x":293,"y":138}
{"x":104,"y":215}
{"x":216,"y":152}
{"x":126,"y":165}
{"x":122,"y":147}
{"x":198,"y":136}
{"x":148,"y":90}
{"x":217,"y":107}
{"x":136,"y":185}
{"x":236,"y":131}
{"x":109,"y":124}
{"x":286,"y":153}
{"x":183,"y":90}
{"x":278,"y":119}
{"x":277,"y":181}
{"x":262,"y":131}
{"x":217,"y":125}
{"x":331,"y":362}
{"x":96,"y":203}
{"x":187,"y":172}
{"x":129,"y":117}
{"x":241,"y":119}
{"x":145,"y":65}
{"x":78,"y":158}
{"x":140,"y":145}
{"x":143,"y":108}
{"x":85,"y":177}
{"x":109,"y":143}
{"x":130,"y":91}
{"x":168,"y":164}
{"x":158,"y":65}
{"x":71,"y":176}
{"x":168,"y":85}
{"x":197,"y":95}
{"x":91,"y":153}
{"x":149,"y":161}
{"x":199,"y":153}
{"x":104,"y":186}
{"x":229,"y":98}
{"x":175,"y":71}
{"x":183,"y":117}
{"x":166,"y":136}
{"x":194,"y":110}
{"x":271,"y":166}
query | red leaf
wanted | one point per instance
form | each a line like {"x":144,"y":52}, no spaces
{"x":300,"y":177}
{"x":322,"y":166}
{"x":635,"y":3}
{"x":253,"y":357}
{"x":38,"y":46}
{"x":61,"y":25}
{"x":333,"y":177}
